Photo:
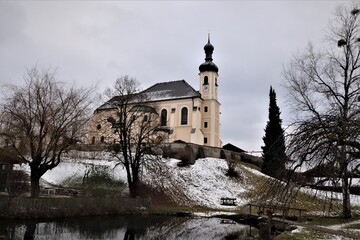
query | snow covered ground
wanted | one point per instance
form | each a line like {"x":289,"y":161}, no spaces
{"x":203,"y":183}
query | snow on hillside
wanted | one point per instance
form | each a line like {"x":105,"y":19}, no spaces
{"x":203,"y":183}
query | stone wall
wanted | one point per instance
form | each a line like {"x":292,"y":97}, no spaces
{"x":193,"y":151}
{"x":25,"y":207}
{"x":175,"y":150}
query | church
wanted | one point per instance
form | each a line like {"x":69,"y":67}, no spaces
{"x":189,"y":115}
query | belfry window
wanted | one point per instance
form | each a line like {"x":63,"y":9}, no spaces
{"x":163,"y":117}
{"x":184,"y":116}
{"x":206,"y":80}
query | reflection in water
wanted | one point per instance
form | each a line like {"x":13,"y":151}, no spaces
{"x":30,"y":231}
{"x":127,"y":228}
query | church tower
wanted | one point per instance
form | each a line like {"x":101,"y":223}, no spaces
{"x":210,"y":119}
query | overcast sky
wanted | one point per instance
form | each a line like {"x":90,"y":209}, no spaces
{"x":90,"y":42}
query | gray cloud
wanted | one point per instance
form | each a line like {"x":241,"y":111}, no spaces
{"x":95,"y":42}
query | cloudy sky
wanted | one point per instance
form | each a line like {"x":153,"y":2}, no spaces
{"x":95,"y":42}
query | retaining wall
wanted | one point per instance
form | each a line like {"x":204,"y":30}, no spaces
{"x":175,"y":149}
{"x":25,"y":207}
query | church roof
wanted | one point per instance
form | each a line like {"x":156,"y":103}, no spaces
{"x":164,"y":91}
{"x":179,"y":89}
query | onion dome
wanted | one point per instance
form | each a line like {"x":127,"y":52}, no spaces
{"x":208,"y":65}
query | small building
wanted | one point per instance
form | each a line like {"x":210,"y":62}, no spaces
{"x":7,"y":161}
{"x":186,"y":114}
{"x":233,"y":148}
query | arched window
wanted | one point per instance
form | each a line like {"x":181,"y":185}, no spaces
{"x":206,"y":80}
{"x":93,"y":140}
{"x":163,"y":117}
{"x":102,"y":139}
{"x":184,"y":116}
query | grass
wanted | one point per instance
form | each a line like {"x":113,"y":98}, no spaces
{"x":327,"y":221}
{"x":354,"y":226}
{"x":301,"y":235}
{"x":265,"y":189}
{"x":249,"y":165}
{"x":98,"y":181}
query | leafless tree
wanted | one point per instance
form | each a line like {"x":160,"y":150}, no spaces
{"x":324,"y":87}
{"x":41,"y":120}
{"x":137,"y":123}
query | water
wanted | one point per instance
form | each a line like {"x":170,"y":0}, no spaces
{"x":128,"y":227}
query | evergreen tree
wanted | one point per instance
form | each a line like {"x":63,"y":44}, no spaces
{"x":274,"y":149}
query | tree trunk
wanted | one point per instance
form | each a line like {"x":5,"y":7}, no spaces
{"x":35,"y":185}
{"x":346,"y":198}
{"x":133,"y":189}
{"x":265,"y":227}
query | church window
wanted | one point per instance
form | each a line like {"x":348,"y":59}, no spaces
{"x":93,"y":140}
{"x":205,"y":140}
{"x":206,"y":80}
{"x":163,"y":117}
{"x":205,"y":124}
{"x":102,"y":139}
{"x":98,"y":127}
{"x":205,"y":109}
{"x":145,"y":118}
{"x":184,"y":116}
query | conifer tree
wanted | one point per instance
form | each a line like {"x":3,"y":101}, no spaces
{"x":274,"y":141}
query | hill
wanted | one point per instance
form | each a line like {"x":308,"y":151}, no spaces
{"x":202,"y":184}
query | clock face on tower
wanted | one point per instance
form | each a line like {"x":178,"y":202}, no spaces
{"x":205,"y":88}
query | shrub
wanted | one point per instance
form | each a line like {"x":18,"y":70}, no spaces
{"x":232,"y":172}
{"x":187,"y":156}
{"x":97,"y":181}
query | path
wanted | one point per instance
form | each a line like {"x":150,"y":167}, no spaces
{"x":335,"y":230}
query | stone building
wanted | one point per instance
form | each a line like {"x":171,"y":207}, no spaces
{"x":188,"y":115}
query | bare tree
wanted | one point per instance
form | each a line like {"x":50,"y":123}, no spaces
{"x":136,"y":123}
{"x":41,"y":120}
{"x":324,"y":87}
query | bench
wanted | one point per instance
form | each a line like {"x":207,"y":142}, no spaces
{"x":228,"y":201}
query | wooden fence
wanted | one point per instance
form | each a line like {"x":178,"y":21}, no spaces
{"x":23,"y":207}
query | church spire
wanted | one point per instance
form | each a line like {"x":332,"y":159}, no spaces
{"x":208,"y":65}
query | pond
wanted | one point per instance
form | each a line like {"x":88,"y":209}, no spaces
{"x":128,"y":227}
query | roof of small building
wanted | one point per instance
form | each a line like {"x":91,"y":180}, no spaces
{"x":8,"y":157}
{"x":233,"y":148}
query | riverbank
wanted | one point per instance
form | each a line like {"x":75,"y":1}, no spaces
{"x":60,"y":207}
